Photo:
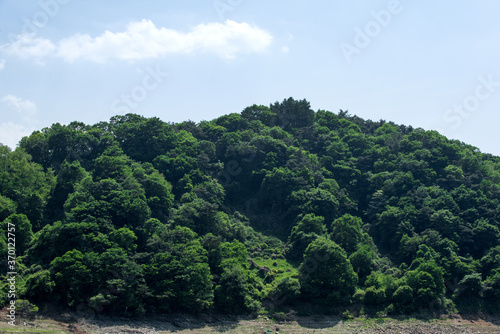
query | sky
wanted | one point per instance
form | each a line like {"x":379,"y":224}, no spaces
{"x":423,"y":63}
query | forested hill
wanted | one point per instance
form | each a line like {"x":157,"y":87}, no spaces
{"x":267,"y":210}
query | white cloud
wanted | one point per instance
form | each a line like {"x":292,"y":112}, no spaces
{"x":24,"y":107}
{"x":28,"y":46}
{"x":143,"y":40}
{"x":2,"y":64}
{"x":12,"y":133}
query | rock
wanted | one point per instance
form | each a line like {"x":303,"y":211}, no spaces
{"x":252,"y":263}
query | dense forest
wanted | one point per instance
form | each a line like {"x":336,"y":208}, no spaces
{"x":273,"y":209}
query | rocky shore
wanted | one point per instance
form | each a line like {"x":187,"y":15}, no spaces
{"x":204,"y":324}
{"x":300,"y":325}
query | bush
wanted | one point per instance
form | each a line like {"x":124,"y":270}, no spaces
{"x":279,"y":316}
{"x":238,"y":291}
{"x":403,"y":299}
{"x":492,"y":291}
{"x":359,"y":296}
{"x":26,"y":309}
{"x":471,"y":286}
{"x":287,"y":291}
{"x":390,"y":309}
{"x":39,"y":286}
{"x":326,"y":269}
{"x":346,"y":315}
{"x":374,"y":296}
{"x":403,"y":295}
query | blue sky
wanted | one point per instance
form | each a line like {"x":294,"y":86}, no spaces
{"x":422,"y":63}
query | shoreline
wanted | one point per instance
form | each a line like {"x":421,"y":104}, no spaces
{"x":184,"y":324}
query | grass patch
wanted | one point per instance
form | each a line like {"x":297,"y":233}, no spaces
{"x":279,"y":268}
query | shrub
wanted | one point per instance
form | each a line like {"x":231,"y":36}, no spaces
{"x":374,"y":296}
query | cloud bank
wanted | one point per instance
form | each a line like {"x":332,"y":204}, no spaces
{"x":143,"y":40}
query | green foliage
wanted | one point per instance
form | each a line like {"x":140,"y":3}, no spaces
{"x":486,"y":236}
{"x":202,"y":217}
{"x":119,"y":284}
{"x":374,"y":296}
{"x":346,"y":231}
{"x":233,"y":254}
{"x":491,"y":261}
{"x":69,"y":175}
{"x":238,"y":291}
{"x":26,"y":309}
{"x":157,"y":190}
{"x":39,"y":286}
{"x":124,"y":238}
{"x":25,"y":183}
{"x":178,"y":274}
{"x":7,"y":207}
{"x":108,"y":200}
{"x":73,"y":278}
{"x":427,"y":283}
{"x":56,"y":239}
{"x":403,"y":298}
{"x":380,"y":288}
{"x":292,"y":114}
{"x":22,"y":231}
{"x":141,"y":138}
{"x":136,"y":215}
{"x":286,"y":291}
{"x":308,"y":229}
{"x":471,"y":286}
{"x":326,"y":270}
{"x":259,"y":113}
{"x":318,"y":201}
{"x":492,"y":288}
{"x":362,"y":261}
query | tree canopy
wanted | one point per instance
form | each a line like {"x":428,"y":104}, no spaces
{"x":275,"y":207}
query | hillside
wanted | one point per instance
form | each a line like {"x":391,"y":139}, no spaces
{"x":269,"y":210}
